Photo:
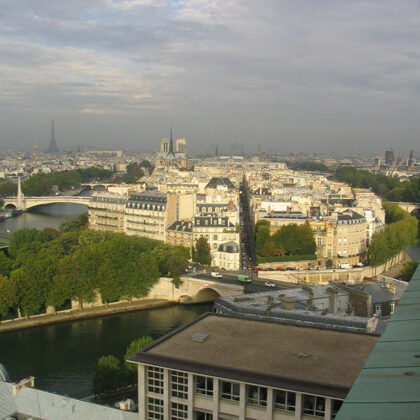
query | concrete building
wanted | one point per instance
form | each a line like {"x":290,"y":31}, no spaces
{"x":180,"y":233}
{"x":220,"y":367}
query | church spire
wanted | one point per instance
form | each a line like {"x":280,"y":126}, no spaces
{"x":171,"y":144}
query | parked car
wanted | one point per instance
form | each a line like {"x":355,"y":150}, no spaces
{"x":279,"y":269}
{"x":269,"y":284}
{"x":269,"y":269}
{"x":216,"y":274}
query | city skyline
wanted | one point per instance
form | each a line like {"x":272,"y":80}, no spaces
{"x":292,"y":77}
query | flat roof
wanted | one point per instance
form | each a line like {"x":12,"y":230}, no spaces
{"x":305,"y":359}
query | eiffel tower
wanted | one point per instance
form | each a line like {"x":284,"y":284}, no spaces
{"x":52,"y":147}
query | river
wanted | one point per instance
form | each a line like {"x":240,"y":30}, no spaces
{"x":62,"y":357}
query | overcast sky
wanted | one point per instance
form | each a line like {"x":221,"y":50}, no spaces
{"x":292,"y":76}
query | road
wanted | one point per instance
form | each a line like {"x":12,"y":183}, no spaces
{"x":256,"y":286}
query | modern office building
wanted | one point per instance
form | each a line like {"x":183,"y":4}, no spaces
{"x":222,"y":367}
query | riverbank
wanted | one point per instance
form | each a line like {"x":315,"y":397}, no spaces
{"x":73,"y":315}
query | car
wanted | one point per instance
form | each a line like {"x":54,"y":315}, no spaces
{"x":269,"y":269}
{"x":279,"y":269}
{"x":269,"y":284}
{"x":216,"y":274}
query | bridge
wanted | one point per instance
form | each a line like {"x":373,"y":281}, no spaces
{"x":412,"y":208}
{"x":94,"y":185}
{"x":26,"y":203}
{"x":193,"y":290}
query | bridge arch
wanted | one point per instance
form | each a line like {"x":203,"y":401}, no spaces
{"x":9,"y":206}
{"x":30,"y":205}
{"x":206,"y":294}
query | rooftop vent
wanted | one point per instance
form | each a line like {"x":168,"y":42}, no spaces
{"x":199,"y":337}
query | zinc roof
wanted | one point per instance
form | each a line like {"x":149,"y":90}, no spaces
{"x":388,"y":386}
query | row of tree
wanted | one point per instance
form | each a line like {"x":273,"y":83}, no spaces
{"x":307,"y":165}
{"x":400,"y":233}
{"x":42,"y":184}
{"x":388,"y":187}
{"x":288,"y":240}
{"x":48,"y":268}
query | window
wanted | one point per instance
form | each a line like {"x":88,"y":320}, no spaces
{"x":336,"y":404}
{"x":215,"y":237}
{"x":179,"y":384}
{"x":154,"y":409}
{"x":319,"y":241}
{"x":201,"y":415}
{"x":315,"y":406}
{"x":179,"y":411}
{"x":391,"y":308}
{"x":377,"y":308}
{"x":230,"y":391}
{"x":204,"y":385}
{"x":284,"y":400}
{"x":155,"y":379}
{"x":257,"y":395}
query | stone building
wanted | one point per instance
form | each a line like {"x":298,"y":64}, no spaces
{"x":170,"y":157}
{"x":107,"y":212}
{"x":146,"y":215}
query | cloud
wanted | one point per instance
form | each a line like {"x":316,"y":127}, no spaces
{"x":322,"y":70}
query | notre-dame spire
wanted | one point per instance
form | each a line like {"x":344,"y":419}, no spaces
{"x":171,"y":144}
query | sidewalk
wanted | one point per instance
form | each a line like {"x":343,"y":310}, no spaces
{"x":38,"y":320}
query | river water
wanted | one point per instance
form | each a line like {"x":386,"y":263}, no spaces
{"x":62,"y":357}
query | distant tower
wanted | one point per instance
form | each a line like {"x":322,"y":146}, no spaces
{"x":411,"y":159}
{"x":52,"y":147}
{"x":217,"y":152}
{"x":389,"y":157}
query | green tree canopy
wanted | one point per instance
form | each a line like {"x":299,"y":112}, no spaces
{"x":74,"y":223}
{"x":133,"y":348}
{"x":24,"y":238}
{"x":202,"y":251}
{"x":108,"y":375}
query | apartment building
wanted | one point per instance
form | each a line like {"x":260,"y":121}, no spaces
{"x":342,"y":235}
{"x":216,"y":229}
{"x":107,"y":212}
{"x":227,"y":256}
{"x":278,"y":219}
{"x":146,"y":215}
{"x":223,"y":367}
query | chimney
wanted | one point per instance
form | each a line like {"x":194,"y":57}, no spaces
{"x":287,"y":303}
{"x":333,"y":299}
{"x":392,"y":287}
{"x":29,"y":382}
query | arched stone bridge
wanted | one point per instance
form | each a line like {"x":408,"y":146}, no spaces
{"x":25,"y":203}
{"x":193,"y":290}
{"x":93,"y":185}
{"x":412,"y":208}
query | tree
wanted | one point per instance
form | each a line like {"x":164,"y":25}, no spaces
{"x":408,"y":270}
{"x":177,"y":263}
{"x":108,"y":375}
{"x":262,"y":235}
{"x":5,"y":264}
{"x":133,"y":348}
{"x":8,"y":295}
{"x":24,"y":238}
{"x":378,"y":250}
{"x":7,"y":188}
{"x":202,"y":251}
{"x":75,"y":223}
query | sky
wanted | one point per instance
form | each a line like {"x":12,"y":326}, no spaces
{"x":337,"y":76}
